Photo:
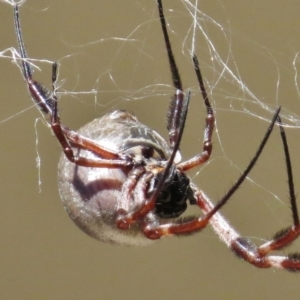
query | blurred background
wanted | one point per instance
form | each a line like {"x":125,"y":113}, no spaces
{"x":110,"y":56}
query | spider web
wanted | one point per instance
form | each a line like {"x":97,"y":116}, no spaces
{"x":212,"y":39}
{"x":246,"y":77}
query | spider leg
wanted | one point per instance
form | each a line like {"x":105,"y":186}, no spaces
{"x":196,"y":224}
{"x":241,"y":246}
{"x":258,"y":255}
{"x":135,"y":177}
{"x":209,"y":126}
{"x":47,"y":103}
{"x":40,"y":95}
{"x":173,"y":118}
{"x":244,"y":248}
{"x":289,"y":173}
{"x":176,"y":118}
{"x":176,"y":103}
{"x":285,"y":236}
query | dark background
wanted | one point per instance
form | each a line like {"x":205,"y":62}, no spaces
{"x":42,"y":254}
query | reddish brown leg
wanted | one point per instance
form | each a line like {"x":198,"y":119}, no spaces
{"x":82,"y":142}
{"x":247,"y":250}
{"x":176,"y":104}
{"x":47,"y":103}
{"x":209,"y":127}
{"x":210,"y":211}
{"x":244,"y":247}
{"x":175,"y":124}
{"x":136,"y":178}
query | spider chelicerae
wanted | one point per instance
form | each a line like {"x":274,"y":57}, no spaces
{"x":122,"y":183}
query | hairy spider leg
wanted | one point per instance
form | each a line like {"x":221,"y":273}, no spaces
{"x":47,"y":103}
{"x":173,"y":118}
{"x":178,"y":110}
{"x":175,"y":124}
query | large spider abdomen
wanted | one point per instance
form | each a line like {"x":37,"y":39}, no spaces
{"x":91,"y":196}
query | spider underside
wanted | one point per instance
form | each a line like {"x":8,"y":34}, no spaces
{"x":103,"y":189}
{"x":122,"y":183}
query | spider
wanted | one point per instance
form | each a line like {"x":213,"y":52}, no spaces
{"x":122,"y":183}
